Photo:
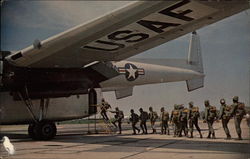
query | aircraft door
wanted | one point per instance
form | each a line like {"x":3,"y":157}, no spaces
{"x":92,"y":101}
{"x":1,"y":69}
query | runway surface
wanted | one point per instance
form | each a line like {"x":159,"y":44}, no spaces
{"x":73,"y":142}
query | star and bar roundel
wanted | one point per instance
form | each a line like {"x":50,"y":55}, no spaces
{"x":130,"y":71}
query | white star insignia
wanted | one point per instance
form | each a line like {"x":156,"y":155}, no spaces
{"x":131,"y":72}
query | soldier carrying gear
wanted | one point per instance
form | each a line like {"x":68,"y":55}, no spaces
{"x":143,"y":120}
{"x":175,"y":118}
{"x":152,"y":116}
{"x":225,"y":115}
{"x":164,"y":121}
{"x":193,"y":117}
{"x":183,"y":121}
{"x":238,"y":111}
{"x":134,"y":118}
{"x":210,"y":117}
{"x":104,"y":107}
{"x":118,"y":118}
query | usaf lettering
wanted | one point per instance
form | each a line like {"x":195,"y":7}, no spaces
{"x":128,"y":36}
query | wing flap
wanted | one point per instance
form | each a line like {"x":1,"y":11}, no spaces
{"x":123,"y":92}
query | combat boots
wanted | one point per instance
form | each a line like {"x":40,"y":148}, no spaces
{"x":200,"y":135}
{"x":209,"y":135}
{"x":213,"y":137}
{"x":154,"y":131}
{"x":191,"y":135}
{"x":239,"y":138}
{"x":228,"y":137}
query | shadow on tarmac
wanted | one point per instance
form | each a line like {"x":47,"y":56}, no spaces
{"x":125,"y":143}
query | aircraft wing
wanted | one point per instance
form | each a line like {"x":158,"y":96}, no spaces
{"x":125,"y":32}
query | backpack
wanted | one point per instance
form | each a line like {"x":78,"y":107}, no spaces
{"x":241,"y":106}
{"x":175,"y":114}
{"x":136,"y":118}
{"x":228,"y":108}
{"x":195,"y":109}
{"x":121,"y":115}
{"x":212,"y":112}
{"x":155,"y":115}
{"x":212,"y":109}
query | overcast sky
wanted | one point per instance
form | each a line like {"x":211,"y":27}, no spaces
{"x":225,"y":48}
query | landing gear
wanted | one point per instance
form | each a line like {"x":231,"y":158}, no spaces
{"x":39,"y":129}
{"x":42,"y":130}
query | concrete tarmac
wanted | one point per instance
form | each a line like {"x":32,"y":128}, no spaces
{"x":73,"y":142}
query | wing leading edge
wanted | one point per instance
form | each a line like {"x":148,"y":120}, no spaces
{"x":125,"y":32}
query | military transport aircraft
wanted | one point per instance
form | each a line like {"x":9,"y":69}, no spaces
{"x":63,"y":77}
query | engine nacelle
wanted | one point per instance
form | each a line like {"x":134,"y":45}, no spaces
{"x":3,"y":54}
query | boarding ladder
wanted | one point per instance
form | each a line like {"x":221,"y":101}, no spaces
{"x":105,"y":125}
{"x":109,"y":127}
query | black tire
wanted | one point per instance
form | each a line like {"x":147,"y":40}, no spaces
{"x":42,"y":131}
{"x":48,"y":131}
{"x":31,"y":130}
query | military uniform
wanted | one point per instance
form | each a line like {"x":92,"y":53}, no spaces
{"x":134,"y":118}
{"x":152,"y":117}
{"x":164,"y":121}
{"x":183,"y":121}
{"x":175,"y":118}
{"x":238,"y":111}
{"x":143,"y":120}
{"x":225,"y":115}
{"x":104,"y":107}
{"x":118,"y":118}
{"x":193,"y":117}
{"x":210,"y":117}
{"x":248,"y":119}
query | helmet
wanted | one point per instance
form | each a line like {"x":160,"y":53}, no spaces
{"x":206,"y":102}
{"x":222,"y":101}
{"x":191,"y":104}
{"x":176,"y":106}
{"x":235,"y":99}
{"x":181,"y":106}
{"x":162,"y":108}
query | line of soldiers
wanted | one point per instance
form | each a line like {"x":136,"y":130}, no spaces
{"x":181,"y":117}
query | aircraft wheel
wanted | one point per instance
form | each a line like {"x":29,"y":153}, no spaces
{"x":42,"y":131}
{"x":48,"y":131}
{"x":31,"y":130}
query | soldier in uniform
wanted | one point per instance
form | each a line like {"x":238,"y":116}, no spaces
{"x":175,"y":116}
{"x":143,"y":121}
{"x":134,"y":118}
{"x":164,"y":121}
{"x":152,"y":116}
{"x":193,"y":117}
{"x":238,"y":111}
{"x":210,"y":117}
{"x":183,"y":120}
{"x":104,"y":107}
{"x":248,"y":119}
{"x":225,"y":115}
{"x":118,"y":118}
